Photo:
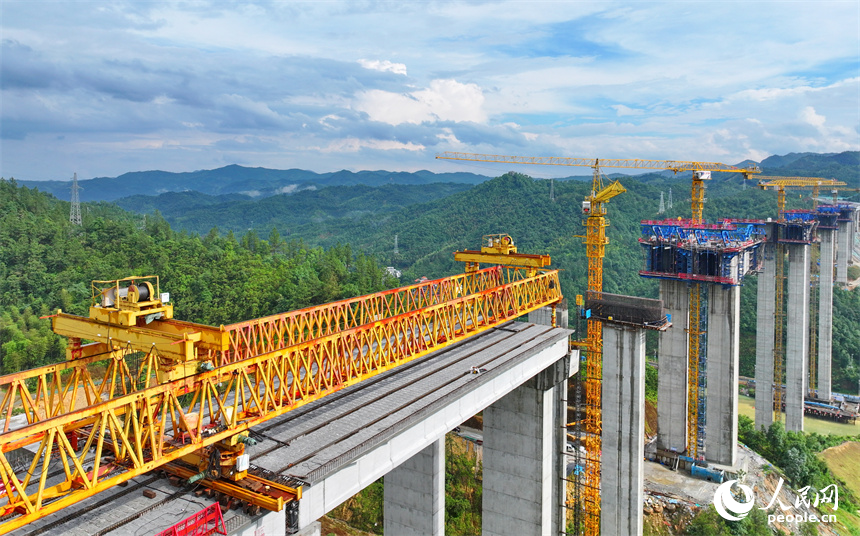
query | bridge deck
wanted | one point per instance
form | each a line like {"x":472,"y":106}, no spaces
{"x":315,"y":441}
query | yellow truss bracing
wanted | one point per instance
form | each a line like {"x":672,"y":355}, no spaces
{"x":134,"y":431}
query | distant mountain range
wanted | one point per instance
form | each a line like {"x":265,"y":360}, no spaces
{"x":239,"y":182}
{"x":233,"y":179}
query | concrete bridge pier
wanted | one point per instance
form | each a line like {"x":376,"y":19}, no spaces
{"x":673,"y":368}
{"x":524,"y":440}
{"x":797,"y":336}
{"x":845,"y":236}
{"x":825,"y":312}
{"x":414,"y":494}
{"x":622,"y":466}
{"x":764,"y":361}
{"x":721,"y":426}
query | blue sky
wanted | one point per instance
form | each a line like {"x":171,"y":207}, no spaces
{"x":104,"y":87}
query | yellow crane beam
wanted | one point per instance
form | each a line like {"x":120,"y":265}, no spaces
{"x":628,"y":163}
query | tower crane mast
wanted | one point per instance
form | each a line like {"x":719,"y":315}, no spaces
{"x":587,"y":487}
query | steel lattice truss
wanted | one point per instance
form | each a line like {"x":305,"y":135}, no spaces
{"x":275,"y":364}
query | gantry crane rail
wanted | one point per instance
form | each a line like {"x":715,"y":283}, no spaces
{"x":135,"y":431}
{"x":587,"y":488}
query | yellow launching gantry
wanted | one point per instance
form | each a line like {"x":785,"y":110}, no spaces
{"x":588,"y":500}
{"x":142,"y":391}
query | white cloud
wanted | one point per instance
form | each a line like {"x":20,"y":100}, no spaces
{"x":444,"y":100}
{"x":384,"y":66}
{"x":181,"y":86}
{"x":288,"y":189}
{"x":622,"y":110}
{"x":808,"y":115}
{"x":353,"y":145}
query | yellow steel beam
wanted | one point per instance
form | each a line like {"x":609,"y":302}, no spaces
{"x":766,"y":182}
{"x":512,"y":259}
{"x":608,"y":192}
{"x":178,"y":346}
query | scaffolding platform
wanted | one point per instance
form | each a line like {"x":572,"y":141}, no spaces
{"x":631,"y":311}
{"x":828,"y":216}
{"x":721,"y":253}
{"x":795,"y":227}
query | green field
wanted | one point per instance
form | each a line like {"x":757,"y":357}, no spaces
{"x":746,"y":406}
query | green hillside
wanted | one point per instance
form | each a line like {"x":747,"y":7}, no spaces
{"x":47,"y":263}
{"x":198,"y":213}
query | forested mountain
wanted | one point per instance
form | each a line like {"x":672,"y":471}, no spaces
{"x":47,"y":263}
{"x":195,"y":212}
{"x":253,"y":182}
{"x":841,"y":166}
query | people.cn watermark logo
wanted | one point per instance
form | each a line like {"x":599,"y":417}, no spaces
{"x":730,"y":508}
{"x":727,"y":506}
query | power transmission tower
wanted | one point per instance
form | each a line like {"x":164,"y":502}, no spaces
{"x":75,"y":214}
{"x":551,"y":190}
{"x":669,"y":204}
{"x":662,"y":208}
{"x":396,"y":252}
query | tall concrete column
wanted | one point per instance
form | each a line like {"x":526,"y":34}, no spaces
{"x":414,"y":494}
{"x":523,"y":441}
{"x":622,"y":469}
{"x":825,"y":312}
{"x":845,"y":236}
{"x":797,"y":336}
{"x":765,"y":309}
{"x":721,"y":428}
{"x":673,"y":366}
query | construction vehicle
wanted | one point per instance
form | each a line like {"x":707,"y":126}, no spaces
{"x":587,"y":488}
{"x":143,"y":391}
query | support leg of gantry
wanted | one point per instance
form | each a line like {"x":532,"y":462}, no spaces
{"x":414,"y":494}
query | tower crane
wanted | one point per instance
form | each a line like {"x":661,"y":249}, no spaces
{"x":780,"y":184}
{"x":103,"y":417}
{"x":587,"y":488}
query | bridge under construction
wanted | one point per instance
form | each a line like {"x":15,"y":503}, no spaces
{"x":268,"y":424}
